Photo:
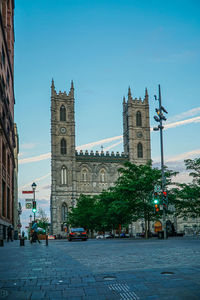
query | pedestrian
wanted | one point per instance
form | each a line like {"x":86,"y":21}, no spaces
{"x":9,"y":233}
{"x":35,"y":233}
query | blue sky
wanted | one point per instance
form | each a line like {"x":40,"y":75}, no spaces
{"x":104,"y":46}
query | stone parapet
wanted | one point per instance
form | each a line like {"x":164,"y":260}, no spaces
{"x":101,"y":156}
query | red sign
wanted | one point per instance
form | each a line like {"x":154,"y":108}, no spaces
{"x":27,"y":192}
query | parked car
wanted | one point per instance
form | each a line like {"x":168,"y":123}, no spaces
{"x":105,"y":236}
{"x":77,"y":233}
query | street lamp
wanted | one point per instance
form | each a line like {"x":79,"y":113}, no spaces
{"x":34,"y":185}
{"x":160,"y":118}
{"x":30,"y":218}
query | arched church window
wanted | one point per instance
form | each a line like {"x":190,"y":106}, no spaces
{"x":63,"y":147}
{"x":84,"y":175}
{"x":63,"y":175}
{"x":62,"y":113}
{"x":102,"y":176}
{"x":138,"y":119}
{"x":64,"y":212}
{"x":140,"y":150}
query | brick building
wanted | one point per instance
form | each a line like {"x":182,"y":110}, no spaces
{"x":7,"y":127}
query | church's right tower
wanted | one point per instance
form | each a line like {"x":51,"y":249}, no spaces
{"x":136,"y":129}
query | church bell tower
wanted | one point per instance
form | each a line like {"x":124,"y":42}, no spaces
{"x":63,"y":156}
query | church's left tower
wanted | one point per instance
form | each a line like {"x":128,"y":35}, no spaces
{"x":63,"y":180}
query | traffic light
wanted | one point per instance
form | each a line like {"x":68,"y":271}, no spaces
{"x":165,"y":200}
{"x":156,"y":201}
{"x":34,"y":209}
{"x":155,"y":198}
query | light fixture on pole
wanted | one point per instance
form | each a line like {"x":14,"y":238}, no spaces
{"x":160,"y":118}
{"x":34,"y":185}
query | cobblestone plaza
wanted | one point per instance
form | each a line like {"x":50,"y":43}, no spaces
{"x":102,"y":269}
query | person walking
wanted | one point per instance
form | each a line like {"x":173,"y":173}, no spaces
{"x":35,"y":232}
{"x":9,"y":233}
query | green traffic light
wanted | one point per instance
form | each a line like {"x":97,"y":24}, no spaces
{"x":34,"y":210}
{"x":155,"y":201}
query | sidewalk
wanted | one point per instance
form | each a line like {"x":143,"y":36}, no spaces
{"x":52,"y":272}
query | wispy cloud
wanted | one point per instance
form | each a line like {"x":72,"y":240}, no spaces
{"x":34,"y":158}
{"x":186,"y":155}
{"x":112,"y":146}
{"x":27,"y":146}
{"x":28,"y":185}
{"x":104,"y":141}
{"x":190,"y":113}
{"x":179,"y":57}
{"x":179,"y":157}
{"x":181,"y":123}
{"x":108,"y":140}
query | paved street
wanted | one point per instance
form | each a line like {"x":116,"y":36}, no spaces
{"x":101,"y":269}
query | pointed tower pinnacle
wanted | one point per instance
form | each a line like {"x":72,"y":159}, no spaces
{"x":124,"y":100}
{"x":72,"y":89}
{"x":52,"y":86}
{"x":129,"y":93}
{"x":146,"y":95}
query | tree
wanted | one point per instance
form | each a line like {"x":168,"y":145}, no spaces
{"x":135,"y":186}
{"x":83,"y":215}
{"x":187,"y":202}
{"x":42,"y":218}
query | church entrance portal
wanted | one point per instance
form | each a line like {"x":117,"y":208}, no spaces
{"x":157,"y":226}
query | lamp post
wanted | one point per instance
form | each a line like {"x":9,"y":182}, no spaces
{"x":160,"y":118}
{"x":30,"y":218}
{"x":34,"y":188}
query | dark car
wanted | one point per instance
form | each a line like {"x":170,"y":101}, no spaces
{"x":77,"y":234}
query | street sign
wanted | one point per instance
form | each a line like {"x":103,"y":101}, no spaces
{"x":28,"y":200}
{"x":157,"y":188}
{"x":26,"y":226}
{"x":27,"y":192}
{"x":28,"y":205}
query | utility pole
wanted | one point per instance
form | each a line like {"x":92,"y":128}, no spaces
{"x":34,"y":209}
{"x":160,"y":118}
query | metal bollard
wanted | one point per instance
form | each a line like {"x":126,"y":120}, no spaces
{"x":1,"y":243}
{"x":22,"y":242}
{"x":47,"y":240}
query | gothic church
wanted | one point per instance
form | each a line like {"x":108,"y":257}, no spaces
{"x":74,"y":173}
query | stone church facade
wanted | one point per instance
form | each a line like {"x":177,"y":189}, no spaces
{"x":74,"y":173}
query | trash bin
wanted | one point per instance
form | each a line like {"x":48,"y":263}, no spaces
{"x":161,"y":234}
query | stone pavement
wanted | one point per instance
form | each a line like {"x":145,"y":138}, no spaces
{"x":101,"y":269}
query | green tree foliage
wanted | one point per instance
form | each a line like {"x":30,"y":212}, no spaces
{"x":187,"y":202}
{"x":84,"y":214}
{"x":129,"y":200}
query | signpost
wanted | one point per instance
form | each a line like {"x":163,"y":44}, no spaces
{"x":28,"y":205}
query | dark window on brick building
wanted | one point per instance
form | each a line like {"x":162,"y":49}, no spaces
{"x":62,"y":113}
{"x":3,"y":191}
{"x":3,"y":154}
{"x":3,"y":56}
{"x":140,"y":150}
{"x":138,"y":119}
{"x":8,"y":203}
{"x":63,"y":147}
